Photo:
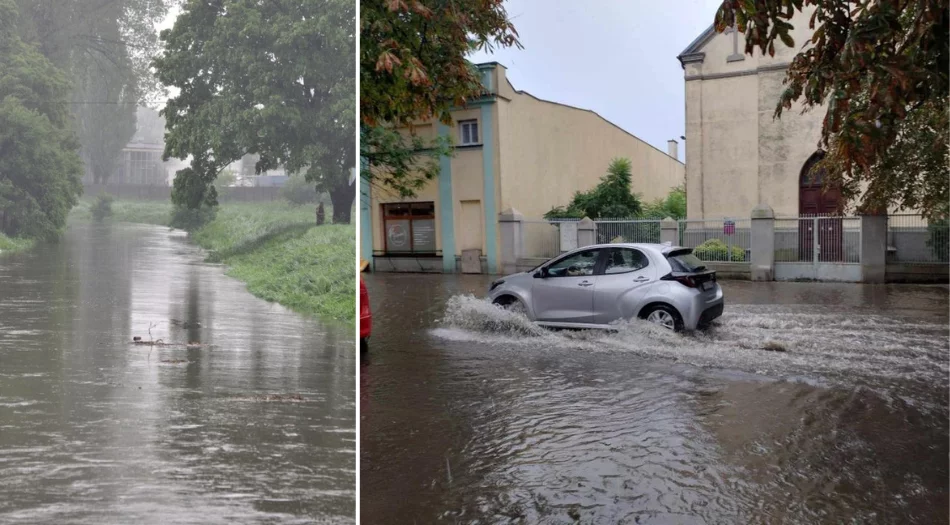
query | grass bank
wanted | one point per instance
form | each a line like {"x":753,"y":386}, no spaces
{"x":10,"y":245}
{"x":273,"y":247}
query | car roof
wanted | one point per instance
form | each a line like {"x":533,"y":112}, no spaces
{"x":662,"y":248}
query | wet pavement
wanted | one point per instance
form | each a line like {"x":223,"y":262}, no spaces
{"x":472,"y":415}
{"x":254,"y":424}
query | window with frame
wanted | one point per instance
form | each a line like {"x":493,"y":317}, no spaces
{"x":409,"y":227}
{"x":468,"y":133}
{"x":623,"y":260}
{"x":578,"y":265}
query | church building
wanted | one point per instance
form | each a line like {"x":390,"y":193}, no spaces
{"x":737,"y":155}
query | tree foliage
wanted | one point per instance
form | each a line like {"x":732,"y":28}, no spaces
{"x":413,"y":67}
{"x":40,"y":170}
{"x":400,"y":163}
{"x":273,"y":79}
{"x":672,"y":206}
{"x":105,"y":48}
{"x":879,"y":68}
{"x":611,"y":198}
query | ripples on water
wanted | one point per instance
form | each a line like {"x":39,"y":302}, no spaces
{"x":94,"y":430}
{"x":493,"y":419}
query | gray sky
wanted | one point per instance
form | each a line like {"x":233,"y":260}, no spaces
{"x":616,"y":57}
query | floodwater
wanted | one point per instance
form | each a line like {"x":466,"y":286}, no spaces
{"x":470,"y":414}
{"x":254,"y":424}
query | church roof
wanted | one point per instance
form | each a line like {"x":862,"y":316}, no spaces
{"x":693,"y":52}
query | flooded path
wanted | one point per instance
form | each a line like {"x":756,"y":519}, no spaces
{"x":471,"y":415}
{"x":255,"y":424}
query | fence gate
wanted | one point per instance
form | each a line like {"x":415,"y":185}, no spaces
{"x":828,"y":245}
{"x":819,"y":248}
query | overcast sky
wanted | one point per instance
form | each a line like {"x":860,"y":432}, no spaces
{"x":616,"y":57}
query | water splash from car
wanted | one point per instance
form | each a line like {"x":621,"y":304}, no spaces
{"x":796,"y":343}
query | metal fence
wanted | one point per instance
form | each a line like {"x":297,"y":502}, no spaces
{"x":622,"y":230}
{"x":541,"y":239}
{"x":818,"y":239}
{"x":913,"y":239}
{"x":717,"y":240}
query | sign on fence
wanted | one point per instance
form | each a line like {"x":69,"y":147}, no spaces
{"x":728,"y":227}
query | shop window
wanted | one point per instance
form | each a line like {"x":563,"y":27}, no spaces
{"x":409,"y":227}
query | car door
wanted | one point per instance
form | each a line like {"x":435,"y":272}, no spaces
{"x":566,"y":293}
{"x":620,"y":289}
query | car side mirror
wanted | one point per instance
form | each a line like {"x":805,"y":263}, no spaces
{"x":541,"y":274}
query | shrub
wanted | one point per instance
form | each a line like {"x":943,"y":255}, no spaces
{"x":298,"y":191}
{"x":102,"y":208}
{"x":716,"y":250}
{"x":191,"y":219}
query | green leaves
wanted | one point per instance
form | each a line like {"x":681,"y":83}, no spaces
{"x":39,"y":169}
{"x":611,"y":198}
{"x":413,"y":67}
{"x":879,"y":70}
{"x":274,"y":79}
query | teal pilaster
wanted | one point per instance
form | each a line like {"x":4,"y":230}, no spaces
{"x":446,"y":209}
{"x":366,"y":216}
{"x":488,"y":167}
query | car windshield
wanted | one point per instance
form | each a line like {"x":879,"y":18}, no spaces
{"x":684,"y":261}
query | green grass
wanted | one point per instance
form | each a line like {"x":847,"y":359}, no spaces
{"x":143,"y":212}
{"x":274,"y":247}
{"x":10,"y":245}
{"x":308,"y":270}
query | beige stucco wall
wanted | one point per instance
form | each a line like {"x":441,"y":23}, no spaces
{"x":738,"y":155}
{"x":551,"y":151}
{"x":467,"y":183}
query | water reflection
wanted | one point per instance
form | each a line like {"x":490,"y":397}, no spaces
{"x":470,"y":418}
{"x":95,"y":430}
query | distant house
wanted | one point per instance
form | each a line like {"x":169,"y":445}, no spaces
{"x":141,"y":163}
{"x":268,"y":181}
{"x":513,"y":150}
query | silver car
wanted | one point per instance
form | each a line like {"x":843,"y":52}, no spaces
{"x":594,"y":286}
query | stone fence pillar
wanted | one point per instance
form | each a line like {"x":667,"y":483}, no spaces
{"x":511,"y":228}
{"x":873,"y":248}
{"x":762,"y":244}
{"x":670,"y":231}
{"x":586,"y":232}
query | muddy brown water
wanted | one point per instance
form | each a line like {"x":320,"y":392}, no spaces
{"x":471,"y":415}
{"x":94,"y":430}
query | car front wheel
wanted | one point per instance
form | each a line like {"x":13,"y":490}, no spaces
{"x":512,"y":304}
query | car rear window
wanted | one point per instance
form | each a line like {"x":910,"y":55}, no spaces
{"x":685,"y":262}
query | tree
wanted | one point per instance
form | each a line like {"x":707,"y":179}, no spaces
{"x":39,"y":168}
{"x":880,"y":68}
{"x":673,"y":206}
{"x":611,"y":198}
{"x":413,"y":67}
{"x":273,"y":79}
{"x":106,"y":48}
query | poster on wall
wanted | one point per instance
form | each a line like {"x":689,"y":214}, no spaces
{"x":397,"y":236}
{"x":423,"y":235}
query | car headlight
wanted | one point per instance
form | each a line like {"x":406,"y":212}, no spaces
{"x":496,"y":284}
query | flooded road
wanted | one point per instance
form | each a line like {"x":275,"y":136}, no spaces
{"x":253,"y":423}
{"x":471,"y":415}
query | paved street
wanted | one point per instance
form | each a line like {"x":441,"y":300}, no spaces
{"x":471,"y":414}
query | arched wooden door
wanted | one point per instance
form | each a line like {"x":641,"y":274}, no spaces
{"x":815,"y":204}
